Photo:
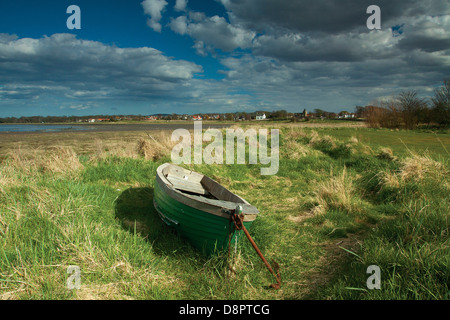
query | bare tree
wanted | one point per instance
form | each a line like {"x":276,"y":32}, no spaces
{"x":412,"y":108}
{"x":374,"y":116}
{"x":441,"y":104}
{"x":393,"y":115}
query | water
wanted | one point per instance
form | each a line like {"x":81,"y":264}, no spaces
{"x":39,"y":128}
{"x":4,"y":128}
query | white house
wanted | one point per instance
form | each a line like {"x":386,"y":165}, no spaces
{"x":260,"y":116}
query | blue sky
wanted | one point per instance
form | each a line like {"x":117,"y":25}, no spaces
{"x":164,"y":56}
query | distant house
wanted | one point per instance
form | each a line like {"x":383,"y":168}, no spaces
{"x":196,"y":117}
{"x":261,"y":116}
{"x":346,"y":115}
{"x":152,"y":118}
{"x":98,"y":120}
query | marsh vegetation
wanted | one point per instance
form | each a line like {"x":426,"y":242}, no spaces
{"x":343,"y":199}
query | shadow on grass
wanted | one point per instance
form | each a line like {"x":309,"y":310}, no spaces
{"x":134,"y":209}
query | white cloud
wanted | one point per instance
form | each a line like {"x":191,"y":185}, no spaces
{"x":82,"y":69}
{"x":179,"y":25}
{"x":329,"y":85}
{"x":180,"y":5}
{"x":200,"y":47}
{"x":214,"y":32}
{"x":153,"y":8}
{"x":77,"y":107}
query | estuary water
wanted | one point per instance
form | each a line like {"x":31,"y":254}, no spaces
{"x":39,"y":128}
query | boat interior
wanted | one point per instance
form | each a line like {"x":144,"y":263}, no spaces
{"x":193,"y":183}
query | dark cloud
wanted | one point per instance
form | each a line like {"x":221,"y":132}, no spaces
{"x":426,"y":33}
{"x":325,"y":15}
{"x":322,"y":30}
{"x":329,"y":47}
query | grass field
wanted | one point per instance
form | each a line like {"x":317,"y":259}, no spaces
{"x":343,"y":199}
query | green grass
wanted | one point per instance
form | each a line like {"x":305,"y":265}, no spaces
{"x":402,"y":142}
{"x":336,"y":206}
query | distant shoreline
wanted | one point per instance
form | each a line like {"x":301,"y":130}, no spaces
{"x":107,"y":127}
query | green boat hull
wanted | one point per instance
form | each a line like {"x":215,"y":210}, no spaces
{"x":208,"y":232}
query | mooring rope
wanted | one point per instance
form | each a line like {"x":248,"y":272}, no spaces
{"x":238,"y":221}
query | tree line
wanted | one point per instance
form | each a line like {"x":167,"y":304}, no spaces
{"x":237,"y":116}
{"x":407,"y":110}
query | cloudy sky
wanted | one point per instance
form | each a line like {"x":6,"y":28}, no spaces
{"x":189,"y":56}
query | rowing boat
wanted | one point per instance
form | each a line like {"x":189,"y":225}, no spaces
{"x":199,"y":208}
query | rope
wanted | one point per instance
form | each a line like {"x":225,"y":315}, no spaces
{"x":238,"y":220}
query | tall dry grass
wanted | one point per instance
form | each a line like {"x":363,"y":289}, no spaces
{"x":416,"y":169}
{"x":7,"y":177}
{"x":155,"y":146}
{"x":293,"y":147}
{"x":57,"y":160}
{"x":337,"y":193}
{"x":386,"y":154}
{"x":152,"y":146}
{"x":318,"y":140}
